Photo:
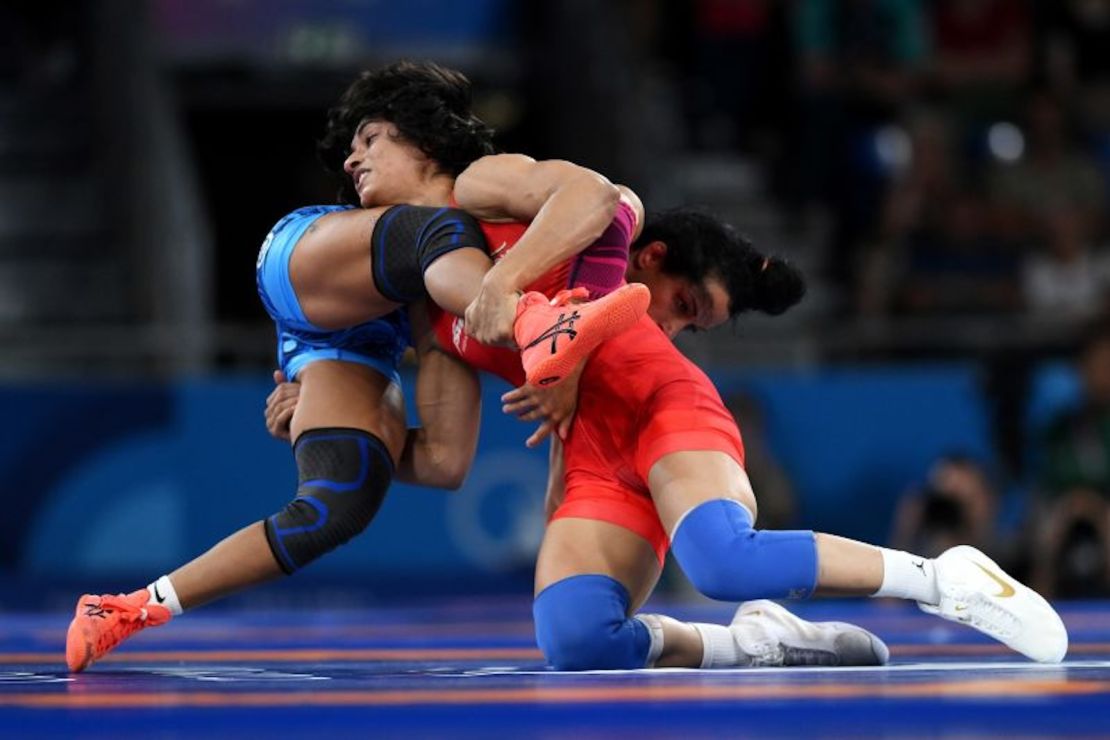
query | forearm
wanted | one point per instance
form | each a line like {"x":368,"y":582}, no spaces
{"x":429,"y":462}
{"x":573,"y":216}
{"x":440,"y":451}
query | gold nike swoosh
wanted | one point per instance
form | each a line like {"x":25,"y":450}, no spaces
{"x":1007,"y":590}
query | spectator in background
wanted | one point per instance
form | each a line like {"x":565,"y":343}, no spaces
{"x":914,"y":198}
{"x":859,"y":64}
{"x":982,"y":54}
{"x":1074,"y":54}
{"x":1071,"y":526}
{"x":1067,"y":278}
{"x":1053,"y":172}
{"x":955,"y":265}
{"x":733,"y":70}
{"x":958,"y":503}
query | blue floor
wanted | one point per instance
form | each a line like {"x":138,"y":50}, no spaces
{"x":469,"y":668}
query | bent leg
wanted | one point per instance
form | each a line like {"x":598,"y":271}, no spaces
{"x":706,"y":502}
{"x":599,"y":569}
{"x":333,"y":394}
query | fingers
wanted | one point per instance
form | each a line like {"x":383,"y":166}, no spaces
{"x":541,"y":433}
{"x":517,"y":407}
{"x":279,"y":426}
{"x":564,"y":427}
{"x":278,"y":417}
{"x":280,"y":405}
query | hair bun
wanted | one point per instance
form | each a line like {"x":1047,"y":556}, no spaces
{"x":778,"y":286}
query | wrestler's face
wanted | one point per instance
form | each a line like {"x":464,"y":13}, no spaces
{"x":385,"y":168}
{"x":678,"y":303}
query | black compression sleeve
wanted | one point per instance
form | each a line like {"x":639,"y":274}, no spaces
{"x":407,"y":239}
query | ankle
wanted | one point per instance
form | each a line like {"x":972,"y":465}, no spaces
{"x":162,"y":593}
{"x":908,"y":576}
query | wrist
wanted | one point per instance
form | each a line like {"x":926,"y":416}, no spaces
{"x":501,"y":280}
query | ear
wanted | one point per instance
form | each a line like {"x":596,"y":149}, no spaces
{"x":651,"y":255}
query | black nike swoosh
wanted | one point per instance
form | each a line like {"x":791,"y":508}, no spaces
{"x":157,"y":596}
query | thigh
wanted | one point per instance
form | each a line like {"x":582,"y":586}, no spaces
{"x":330,"y":273}
{"x":681,"y":481}
{"x":346,"y":394}
{"x":575,"y":547}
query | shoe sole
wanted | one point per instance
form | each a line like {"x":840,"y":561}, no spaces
{"x":610,"y":316}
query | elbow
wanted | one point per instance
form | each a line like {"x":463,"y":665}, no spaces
{"x":589,"y":186}
{"x":453,"y":472}
{"x":606,"y":194}
{"x":453,"y":480}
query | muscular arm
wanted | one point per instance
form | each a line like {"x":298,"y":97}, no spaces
{"x":440,"y":451}
{"x":568,"y":207}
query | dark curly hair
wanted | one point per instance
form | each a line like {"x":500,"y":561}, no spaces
{"x":430,"y":106}
{"x":701,"y":246}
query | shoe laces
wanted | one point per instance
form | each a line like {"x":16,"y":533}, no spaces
{"x":764,"y":654}
{"x":122,"y":618}
{"x":985,"y":613}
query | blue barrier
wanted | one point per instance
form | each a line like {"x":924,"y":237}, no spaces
{"x":170,"y":470}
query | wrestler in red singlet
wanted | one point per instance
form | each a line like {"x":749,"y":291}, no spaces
{"x":639,"y":399}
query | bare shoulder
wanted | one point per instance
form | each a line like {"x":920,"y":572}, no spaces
{"x":485,"y":188}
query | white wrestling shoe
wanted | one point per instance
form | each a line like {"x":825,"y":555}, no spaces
{"x":772,"y":636}
{"x":976,"y":592}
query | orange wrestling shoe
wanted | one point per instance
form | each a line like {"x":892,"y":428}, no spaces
{"x":555,"y":335}
{"x":102,"y":622}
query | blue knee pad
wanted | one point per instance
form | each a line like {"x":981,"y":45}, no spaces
{"x":726,"y":559}
{"x":582,"y":624}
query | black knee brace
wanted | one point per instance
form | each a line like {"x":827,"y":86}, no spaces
{"x":407,"y":239}
{"x":343,"y":476}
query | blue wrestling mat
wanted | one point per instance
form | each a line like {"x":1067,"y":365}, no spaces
{"x":469,"y":668}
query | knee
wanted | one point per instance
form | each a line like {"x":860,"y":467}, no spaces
{"x":344,"y":475}
{"x":726,"y":559}
{"x":582,"y":624}
{"x":712,"y":544}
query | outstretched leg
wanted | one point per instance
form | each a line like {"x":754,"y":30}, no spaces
{"x":705,"y":501}
{"x":349,"y":426}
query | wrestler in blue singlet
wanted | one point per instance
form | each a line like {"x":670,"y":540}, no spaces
{"x":379,"y":343}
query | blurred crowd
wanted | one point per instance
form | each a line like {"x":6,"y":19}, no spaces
{"x":959,"y":151}
{"x":960,"y":147}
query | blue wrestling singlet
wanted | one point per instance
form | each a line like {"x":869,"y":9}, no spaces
{"x":378,"y":343}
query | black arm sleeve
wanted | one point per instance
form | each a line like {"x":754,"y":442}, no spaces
{"x":407,"y":239}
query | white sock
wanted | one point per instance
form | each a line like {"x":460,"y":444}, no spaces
{"x":163,"y":593}
{"x":655,"y":629}
{"x":719,"y":649}
{"x":908,"y":576}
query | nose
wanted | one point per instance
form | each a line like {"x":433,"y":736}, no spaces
{"x":351,"y":163}
{"x":671,"y":327}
